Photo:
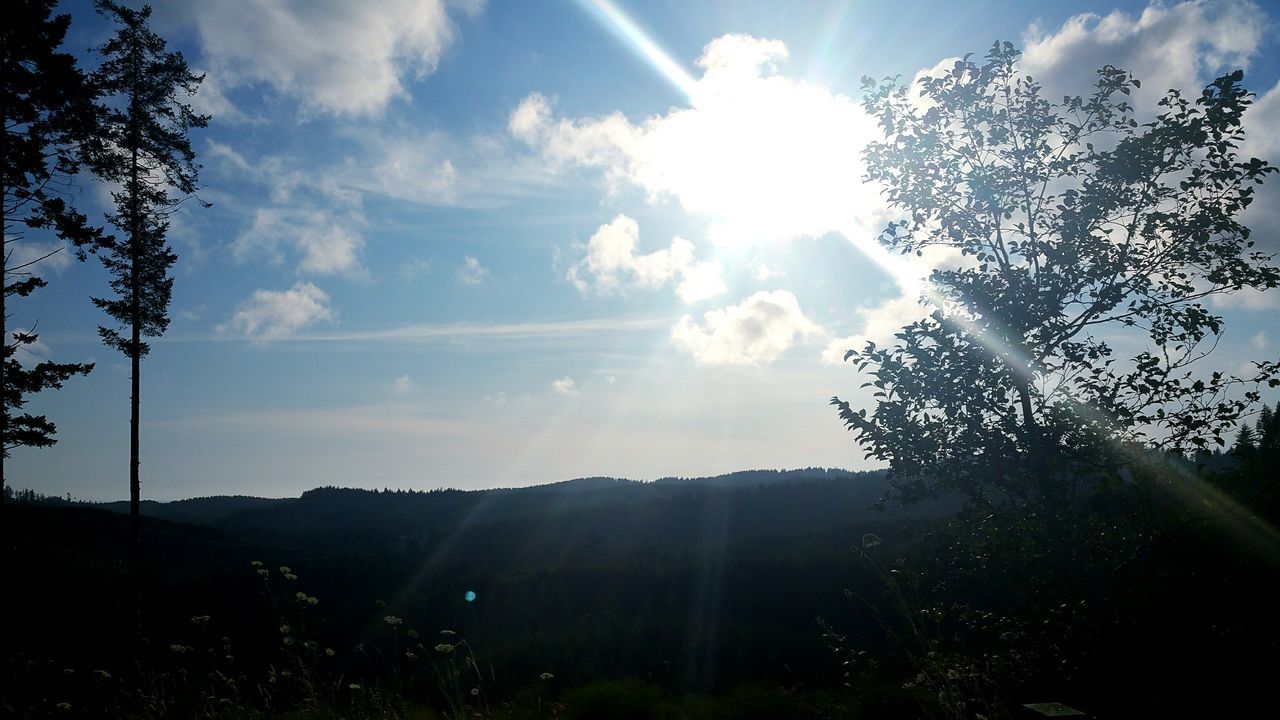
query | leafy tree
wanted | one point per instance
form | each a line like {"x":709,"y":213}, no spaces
{"x":148,"y":155}
{"x":47,"y":109}
{"x":1076,"y":223}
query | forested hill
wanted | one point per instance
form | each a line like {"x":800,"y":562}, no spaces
{"x":813,"y":497}
{"x":591,"y":578}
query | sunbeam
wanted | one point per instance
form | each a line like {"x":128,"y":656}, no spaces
{"x":638,"y":41}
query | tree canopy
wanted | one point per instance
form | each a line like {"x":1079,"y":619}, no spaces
{"x":49,"y":120}
{"x":1082,"y":230}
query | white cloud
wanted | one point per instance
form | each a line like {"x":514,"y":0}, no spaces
{"x":37,"y":257}
{"x":29,"y":354}
{"x":1167,"y":46}
{"x":273,"y":314}
{"x":762,"y":270}
{"x":613,"y":263}
{"x":402,"y":385}
{"x":335,"y":56}
{"x":763,"y":156}
{"x":565,"y":386}
{"x":1184,"y":46}
{"x":1248,"y":299}
{"x":880,"y":323}
{"x":323,"y":243}
{"x":1261,"y":341}
{"x":471,"y":272}
{"x":756,"y":331}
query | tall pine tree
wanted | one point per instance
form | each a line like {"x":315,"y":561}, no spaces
{"x":148,"y":155}
{"x":48,"y":115}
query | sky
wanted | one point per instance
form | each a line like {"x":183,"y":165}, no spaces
{"x":487,"y":244}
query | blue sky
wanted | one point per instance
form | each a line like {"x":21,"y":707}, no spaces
{"x":472,"y":244}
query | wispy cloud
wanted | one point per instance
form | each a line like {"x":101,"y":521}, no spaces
{"x":447,"y":331}
{"x":336,"y":57}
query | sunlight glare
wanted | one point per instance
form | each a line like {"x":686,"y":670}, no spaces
{"x":624,"y":28}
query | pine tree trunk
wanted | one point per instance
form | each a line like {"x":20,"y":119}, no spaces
{"x":135,"y":357}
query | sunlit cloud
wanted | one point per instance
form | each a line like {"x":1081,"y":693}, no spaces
{"x":612,"y":263}
{"x":1165,"y":46}
{"x":565,"y":386}
{"x":763,"y":156}
{"x":274,"y":314}
{"x":756,"y":331}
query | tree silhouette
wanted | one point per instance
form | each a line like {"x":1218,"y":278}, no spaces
{"x":1076,"y":224}
{"x":47,"y":110}
{"x":147,"y":153}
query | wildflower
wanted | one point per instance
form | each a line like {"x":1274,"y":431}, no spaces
{"x":256,"y":563}
{"x":285,"y":629}
{"x":288,"y":641}
{"x":444,"y":648}
{"x":301,"y":596}
{"x":102,"y":674}
{"x":313,"y":600}
{"x":392,"y":620}
{"x":329,"y":652}
{"x":180,"y":649}
{"x":310,"y":645}
{"x":410,"y":654}
{"x":870,"y":540}
{"x":285,"y":569}
{"x":64,"y":707}
{"x":290,"y":576}
{"x":355,"y":687}
{"x":264,"y":572}
{"x":200,"y":620}
{"x":475,"y":691}
{"x":546,"y":676}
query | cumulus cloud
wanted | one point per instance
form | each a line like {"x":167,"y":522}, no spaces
{"x":612,"y":263}
{"x":1184,"y":46}
{"x":565,"y":386}
{"x":1166,"y":46}
{"x":762,"y":155}
{"x":335,"y":56}
{"x":322,"y":243}
{"x":756,"y":331}
{"x":272,"y":314}
{"x":471,"y":272}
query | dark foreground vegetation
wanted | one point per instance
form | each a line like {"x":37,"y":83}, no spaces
{"x":753,"y":595}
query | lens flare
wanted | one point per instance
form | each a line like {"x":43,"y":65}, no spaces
{"x":638,"y":41}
